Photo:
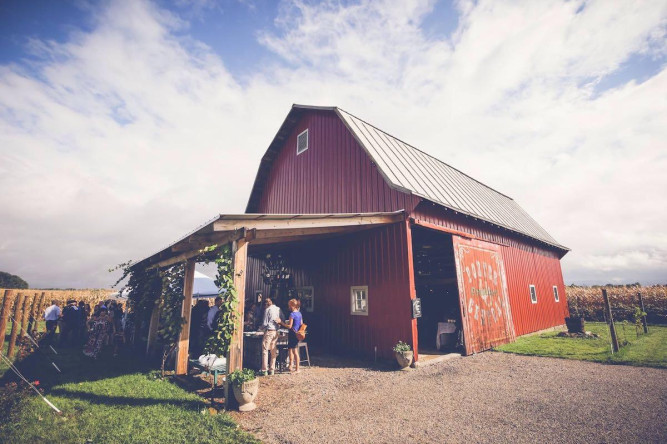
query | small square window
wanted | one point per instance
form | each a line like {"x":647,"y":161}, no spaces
{"x":533,"y":294}
{"x":556,"y":298}
{"x":359,"y":300}
{"x":302,"y":142}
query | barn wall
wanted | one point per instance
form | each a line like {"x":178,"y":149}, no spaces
{"x":376,"y":258}
{"x":525,"y":263}
{"x":333,"y":176}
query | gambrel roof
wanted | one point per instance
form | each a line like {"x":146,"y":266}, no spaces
{"x":412,"y":171}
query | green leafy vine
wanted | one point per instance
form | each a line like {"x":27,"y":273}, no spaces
{"x":225,"y":325}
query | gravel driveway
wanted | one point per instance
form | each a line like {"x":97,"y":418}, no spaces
{"x":489,"y":397}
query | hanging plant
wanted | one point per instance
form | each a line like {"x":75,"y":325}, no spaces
{"x":225,"y":322}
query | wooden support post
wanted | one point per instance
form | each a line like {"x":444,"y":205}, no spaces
{"x":235,"y":353}
{"x":31,"y":315}
{"x":412,"y":291}
{"x":38,"y":313}
{"x":27,"y":306}
{"x":152,"y":328}
{"x":641,"y":305}
{"x":7,"y":305}
{"x":18,"y":306}
{"x":610,"y":321}
{"x":184,"y":337}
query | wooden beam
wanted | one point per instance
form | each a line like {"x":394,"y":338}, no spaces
{"x":196,"y":251}
{"x":235,"y":353}
{"x":431,"y":226}
{"x":307,"y":222}
{"x":197,"y":242}
{"x":184,"y":336}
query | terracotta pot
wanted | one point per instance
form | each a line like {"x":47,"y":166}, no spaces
{"x":404,"y":359}
{"x":245,"y":394}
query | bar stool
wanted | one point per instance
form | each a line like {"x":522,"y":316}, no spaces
{"x":304,"y":344}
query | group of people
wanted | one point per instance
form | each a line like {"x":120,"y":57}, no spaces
{"x":106,"y":325}
{"x":268,"y":319}
{"x":272,"y":320}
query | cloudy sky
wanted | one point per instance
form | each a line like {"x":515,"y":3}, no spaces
{"x":125,"y":124}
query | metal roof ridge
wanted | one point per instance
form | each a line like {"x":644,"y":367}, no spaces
{"x":424,"y":152}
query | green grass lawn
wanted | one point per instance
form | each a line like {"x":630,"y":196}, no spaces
{"x":647,"y":350}
{"x":111,"y":400}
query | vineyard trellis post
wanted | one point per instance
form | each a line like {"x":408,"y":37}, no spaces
{"x":20,"y":299}
{"x":610,"y":321}
{"x":641,"y":305}
{"x":6,"y":308}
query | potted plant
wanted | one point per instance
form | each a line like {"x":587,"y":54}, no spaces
{"x":403,"y":353}
{"x":245,"y":385}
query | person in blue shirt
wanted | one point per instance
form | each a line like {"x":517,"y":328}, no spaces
{"x":293,"y":323}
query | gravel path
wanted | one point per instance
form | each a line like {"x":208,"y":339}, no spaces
{"x":489,"y":397}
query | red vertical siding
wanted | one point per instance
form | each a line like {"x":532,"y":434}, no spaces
{"x":376,"y":258}
{"x":525,"y":263}
{"x":335,"y":175}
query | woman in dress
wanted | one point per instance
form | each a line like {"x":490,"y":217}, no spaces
{"x":293,"y":323}
{"x":101,"y":328}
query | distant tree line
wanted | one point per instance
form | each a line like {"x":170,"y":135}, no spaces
{"x":12,"y":281}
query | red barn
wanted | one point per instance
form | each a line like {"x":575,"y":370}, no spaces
{"x":371,"y":231}
{"x":467,"y":251}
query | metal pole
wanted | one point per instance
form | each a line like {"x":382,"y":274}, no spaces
{"x":610,"y":321}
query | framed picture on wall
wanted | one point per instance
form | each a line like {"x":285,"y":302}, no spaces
{"x":307,"y":297}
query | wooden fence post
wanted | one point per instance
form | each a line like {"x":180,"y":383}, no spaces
{"x":38,"y":313}
{"x":15,"y":324}
{"x":641,"y":305}
{"x":31,"y":315}
{"x":610,"y":321}
{"x":27,"y":304}
{"x":7,"y":304}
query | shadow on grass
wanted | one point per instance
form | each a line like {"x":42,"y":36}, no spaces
{"x":123,"y":400}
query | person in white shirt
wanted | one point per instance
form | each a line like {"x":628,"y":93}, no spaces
{"x":272,"y":317}
{"x":51,"y":316}
{"x":210,"y":317}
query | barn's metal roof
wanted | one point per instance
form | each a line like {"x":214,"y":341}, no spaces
{"x":408,"y":168}
{"x":412,"y":171}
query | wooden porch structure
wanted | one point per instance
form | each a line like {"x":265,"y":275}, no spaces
{"x":242,"y":230}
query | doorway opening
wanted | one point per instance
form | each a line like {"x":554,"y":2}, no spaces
{"x":439,"y":328}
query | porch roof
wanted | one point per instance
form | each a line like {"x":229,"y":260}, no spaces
{"x":265,"y":229}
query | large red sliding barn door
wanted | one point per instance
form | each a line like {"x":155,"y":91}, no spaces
{"x":485,"y":309}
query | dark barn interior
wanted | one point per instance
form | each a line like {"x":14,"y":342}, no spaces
{"x":435,"y":281}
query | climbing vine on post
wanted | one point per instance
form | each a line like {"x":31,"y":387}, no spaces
{"x":171,"y":319}
{"x":225,"y":321}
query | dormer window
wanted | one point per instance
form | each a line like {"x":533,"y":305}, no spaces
{"x":302,"y":142}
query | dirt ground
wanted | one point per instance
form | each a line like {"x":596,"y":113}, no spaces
{"x":489,"y":397}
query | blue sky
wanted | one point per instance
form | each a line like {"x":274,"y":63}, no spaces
{"x":108,"y":110}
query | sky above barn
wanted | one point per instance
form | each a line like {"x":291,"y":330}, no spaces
{"x":125,"y":124}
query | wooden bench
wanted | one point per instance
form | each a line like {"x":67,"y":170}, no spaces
{"x":221,"y":368}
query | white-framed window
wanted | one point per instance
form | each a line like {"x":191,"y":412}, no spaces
{"x":556,"y":298}
{"x":359,"y":299}
{"x":307,"y":297}
{"x":533,"y":294}
{"x":302,"y":142}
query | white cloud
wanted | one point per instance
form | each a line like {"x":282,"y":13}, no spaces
{"x":123,"y":138}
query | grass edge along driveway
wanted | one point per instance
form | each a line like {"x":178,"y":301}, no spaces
{"x":649,"y":350}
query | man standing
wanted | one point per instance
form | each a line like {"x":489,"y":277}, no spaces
{"x":69,"y":322}
{"x":272,"y":316}
{"x":51,"y":316}
{"x":210,"y":317}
